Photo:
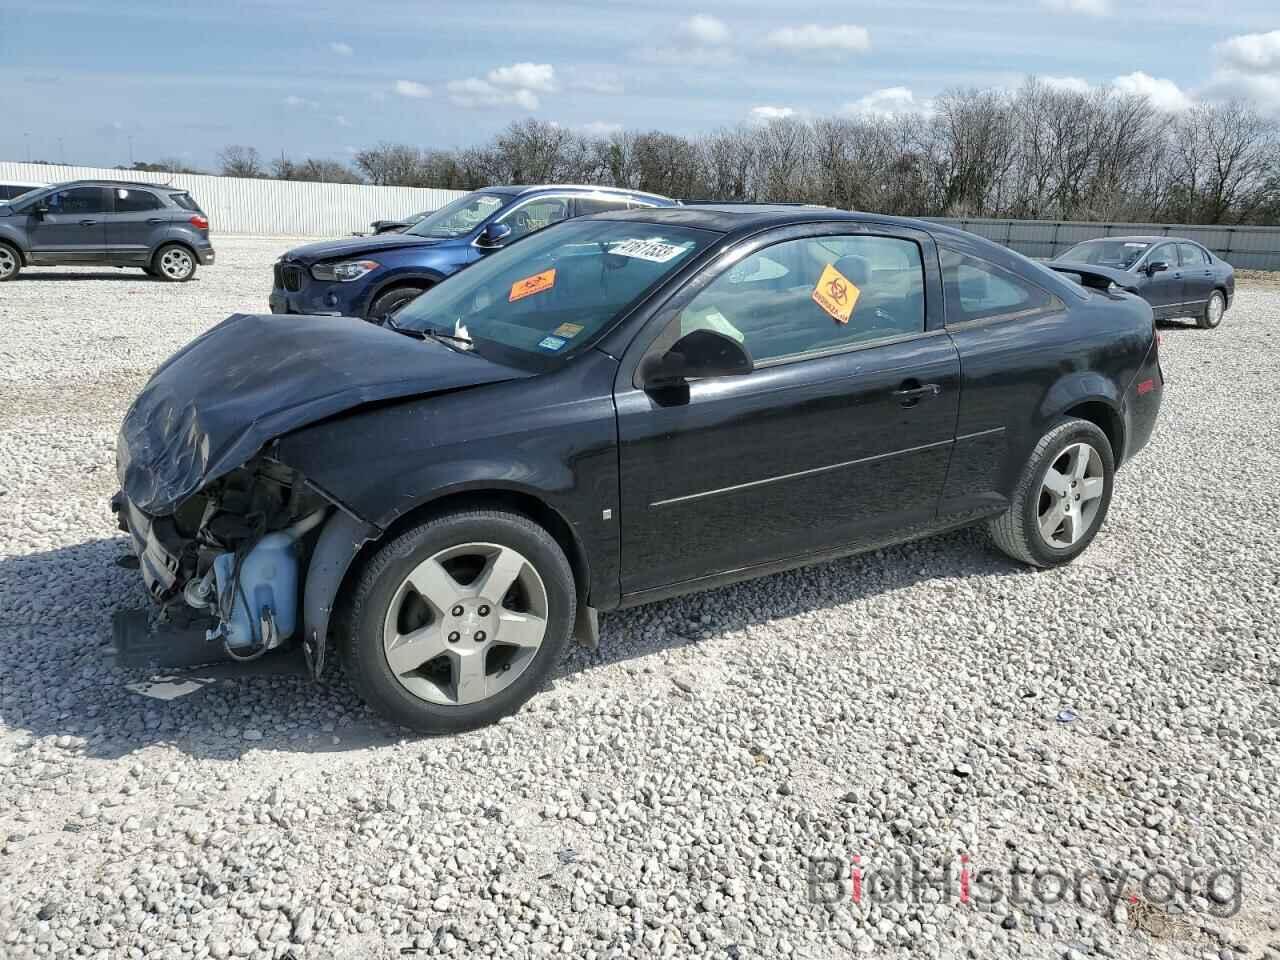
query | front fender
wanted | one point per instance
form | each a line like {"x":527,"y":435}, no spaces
{"x":340,"y":541}
{"x":15,"y":237}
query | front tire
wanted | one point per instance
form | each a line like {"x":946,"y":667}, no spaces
{"x":174,"y":263}
{"x":392,"y":300}
{"x":459,"y":621}
{"x":1213,"y":311}
{"x":10,"y":262}
{"x":1061,"y":498}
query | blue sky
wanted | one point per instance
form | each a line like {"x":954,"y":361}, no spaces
{"x":322,"y":77}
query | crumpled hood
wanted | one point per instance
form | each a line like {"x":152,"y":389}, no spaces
{"x":1098,"y":277}
{"x":252,"y":378}
{"x":311,"y":253}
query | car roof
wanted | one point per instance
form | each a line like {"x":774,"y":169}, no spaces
{"x":523,"y":189}
{"x":731,"y":218}
{"x":133,"y":184}
{"x":1139,"y":238}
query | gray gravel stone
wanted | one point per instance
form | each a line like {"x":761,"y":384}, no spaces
{"x":665,"y":797}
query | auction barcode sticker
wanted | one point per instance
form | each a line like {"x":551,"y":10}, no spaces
{"x":654,"y":251}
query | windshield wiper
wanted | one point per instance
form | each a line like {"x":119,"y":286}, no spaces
{"x":448,"y":339}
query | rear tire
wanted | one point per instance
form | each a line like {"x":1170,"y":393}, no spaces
{"x":459,"y":621}
{"x":1213,"y":311}
{"x":174,"y":263}
{"x":10,"y":262}
{"x":392,"y":300}
{"x":1061,"y":498}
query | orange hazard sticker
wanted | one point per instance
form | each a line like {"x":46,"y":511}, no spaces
{"x":531,"y":285}
{"x":836,"y":294}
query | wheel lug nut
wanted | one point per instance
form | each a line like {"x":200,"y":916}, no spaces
{"x":455,"y":637}
{"x":483,"y":611}
{"x":458,"y":611}
{"x":479,"y":636}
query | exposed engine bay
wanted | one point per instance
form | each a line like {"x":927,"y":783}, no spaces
{"x":235,"y":552}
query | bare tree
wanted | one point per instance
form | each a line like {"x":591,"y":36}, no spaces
{"x":1040,"y":151}
{"x":311,"y":169}
{"x":240,"y":161}
{"x":392,"y":164}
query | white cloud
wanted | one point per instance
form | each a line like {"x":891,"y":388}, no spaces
{"x":699,"y":41}
{"x":1067,"y":84}
{"x":518,"y":84}
{"x":1163,"y":94}
{"x":474,"y":92}
{"x":844,"y":36}
{"x":1251,"y":52}
{"x":341,"y":121}
{"x":1248,"y":69}
{"x":298,"y":102}
{"x":766,"y":113}
{"x":538,"y":77}
{"x":600,"y":128}
{"x":702,"y":29}
{"x":412,"y":89}
{"x":886,"y":102}
{"x":1090,"y":8}
{"x":340,"y":48}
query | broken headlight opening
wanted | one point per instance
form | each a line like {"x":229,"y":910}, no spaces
{"x":233,"y":554}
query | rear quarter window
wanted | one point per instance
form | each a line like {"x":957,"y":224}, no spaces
{"x":186,"y":202}
{"x":978,"y":290}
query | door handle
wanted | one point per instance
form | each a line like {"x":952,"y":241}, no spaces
{"x":909,"y":395}
{"x":88,"y":223}
{"x":155,"y":219}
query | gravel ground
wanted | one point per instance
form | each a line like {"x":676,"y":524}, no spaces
{"x":667,"y":796}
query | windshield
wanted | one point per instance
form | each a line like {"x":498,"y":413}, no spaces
{"x":1120,"y":254}
{"x":556,"y":289}
{"x":460,"y":217}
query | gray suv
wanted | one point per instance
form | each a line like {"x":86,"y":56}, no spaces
{"x":107,"y":222}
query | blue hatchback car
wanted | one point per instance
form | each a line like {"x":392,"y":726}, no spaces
{"x":372,"y":277}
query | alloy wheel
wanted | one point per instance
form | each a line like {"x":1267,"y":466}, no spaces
{"x":8,"y":263}
{"x":1216,"y":309}
{"x":1070,"y":495}
{"x":465,"y":623}
{"x":176,"y":263}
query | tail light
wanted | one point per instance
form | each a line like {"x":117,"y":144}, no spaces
{"x":199,"y":222}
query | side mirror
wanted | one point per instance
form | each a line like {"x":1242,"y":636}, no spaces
{"x":702,"y":353}
{"x":493,"y":235}
{"x":40,"y":209}
{"x":1155,"y":266}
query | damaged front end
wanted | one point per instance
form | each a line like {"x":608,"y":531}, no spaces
{"x":226,"y":567}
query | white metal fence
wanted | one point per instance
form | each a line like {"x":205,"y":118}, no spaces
{"x":264,"y":207}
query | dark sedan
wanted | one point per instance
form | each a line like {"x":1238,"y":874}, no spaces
{"x":1178,"y":277}
{"x":617,"y":409}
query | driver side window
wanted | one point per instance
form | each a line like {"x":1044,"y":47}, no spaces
{"x":1167,"y":253}
{"x":813,"y":295}
{"x":76,"y":201}
{"x":535,"y":215}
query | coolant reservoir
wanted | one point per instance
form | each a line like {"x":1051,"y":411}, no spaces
{"x":268,"y":591}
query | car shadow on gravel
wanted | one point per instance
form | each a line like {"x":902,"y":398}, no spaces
{"x":58,"y":677}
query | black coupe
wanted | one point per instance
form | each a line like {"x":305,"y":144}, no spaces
{"x":613,"y":410}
